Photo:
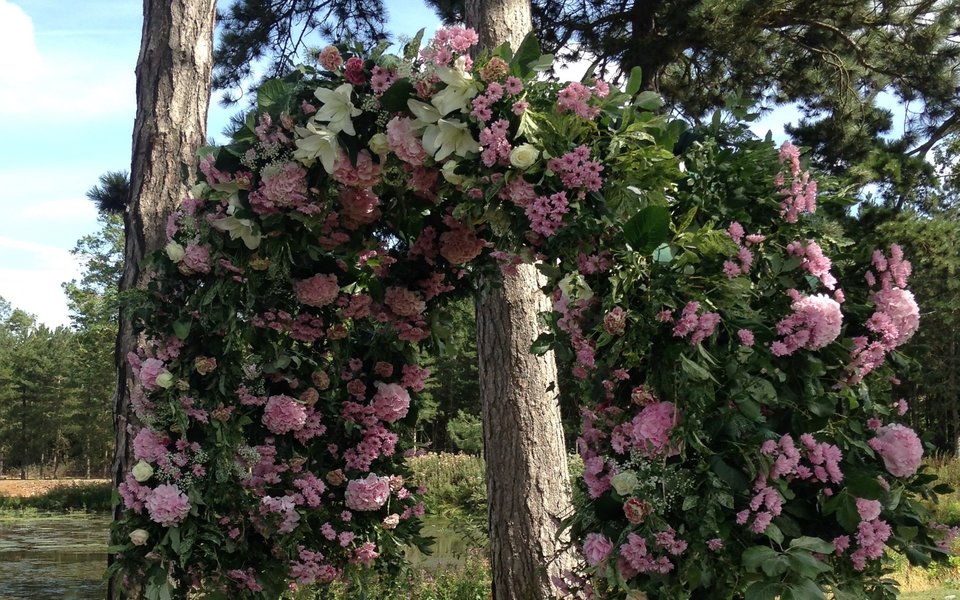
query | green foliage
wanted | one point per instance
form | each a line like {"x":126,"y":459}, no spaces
{"x":66,"y":497}
{"x":466,"y":432}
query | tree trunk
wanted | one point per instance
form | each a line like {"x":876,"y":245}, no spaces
{"x":173,"y":94}
{"x":528,"y":485}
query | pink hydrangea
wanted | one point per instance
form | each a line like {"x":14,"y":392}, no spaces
{"x":900,"y":449}
{"x":391,"y":402}
{"x":815,"y":322}
{"x":596,"y":548}
{"x":650,"y":430}
{"x":283,"y":414}
{"x":358,"y":207}
{"x":319,"y":290}
{"x":281,"y":187}
{"x":150,"y":445}
{"x":460,"y":245}
{"x":150,"y":369}
{"x":196,"y":257}
{"x":367,"y":494}
{"x":168,"y":505}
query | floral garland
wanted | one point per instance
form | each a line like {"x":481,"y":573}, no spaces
{"x":284,"y":323}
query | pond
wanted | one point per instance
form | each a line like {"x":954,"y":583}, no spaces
{"x":53,"y":556}
{"x":46,"y":557}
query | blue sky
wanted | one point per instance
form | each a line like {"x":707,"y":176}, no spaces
{"x":67,"y":106}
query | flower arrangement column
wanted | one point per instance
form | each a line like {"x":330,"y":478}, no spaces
{"x":527,"y":479}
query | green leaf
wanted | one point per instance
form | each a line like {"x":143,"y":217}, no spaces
{"x":812,"y":544}
{"x":543,"y":63}
{"x":755,"y":556}
{"x":527,"y":53}
{"x":694,"y":370}
{"x":805,"y":564}
{"x":735,"y":478}
{"x":773,"y":532}
{"x":636,"y":79}
{"x":806,"y":589}
{"x":542,"y":344}
{"x":272,"y":95}
{"x":648,"y":229}
{"x":181,"y":328}
{"x":396,"y":96}
{"x":763,"y":590}
{"x":648,"y":101}
{"x":412,"y":48}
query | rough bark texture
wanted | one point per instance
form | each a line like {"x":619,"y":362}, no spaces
{"x":528,"y":488}
{"x":173,"y":94}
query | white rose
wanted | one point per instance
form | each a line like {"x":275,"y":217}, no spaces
{"x":175,"y":251}
{"x":449,"y":173}
{"x":378,"y":143}
{"x":624,"y":482}
{"x":165,"y":379}
{"x":139,"y":537}
{"x":142,"y":471}
{"x":523,"y":156}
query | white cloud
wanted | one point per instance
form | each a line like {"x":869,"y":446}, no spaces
{"x":41,"y":83}
{"x":38,"y":291}
{"x":60,"y":209}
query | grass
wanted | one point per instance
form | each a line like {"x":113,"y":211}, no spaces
{"x":86,"y":498}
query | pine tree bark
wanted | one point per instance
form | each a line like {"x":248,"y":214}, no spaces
{"x":173,"y":94}
{"x":528,"y":486}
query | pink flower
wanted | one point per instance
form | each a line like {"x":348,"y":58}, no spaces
{"x":149,"y":445}
{"x":354,"y":71}
{"x":319,"y":290}
{"x":168,"y":505}
{"x":358,"y":207}
{"x":367,"y":494}
{"x":615,"y":321}
{"x":283,"y":414}
{"x":366,"y":554}
{"x":868,"y":509}
{"x":391,"y":402}
{"x":403,"y":302}
{"x":150,"y":369}
{"x":596,"y":548}
{"x":900,"y":449}
{"x":330,"y":58}
{"x":715,"y":544}
{"x":460,"y":245}
{"x":651,"y":429}
{"x":197,"y":258}
{"x":546,"y":213}
{"x":404,"y":141}
{"x":746,"y":337}
{"x":897,"y":317}
{"x":815,"y":322}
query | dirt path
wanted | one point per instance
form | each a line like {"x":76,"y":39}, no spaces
{"x":25,"y":488}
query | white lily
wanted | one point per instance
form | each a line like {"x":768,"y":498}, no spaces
{"x":337,"y":109}
{"x":316,"y":141}
{"x":239,"y":228}
{"x":461,"y":88}
{"x":449,"y":137}
{"x":425,"y":114}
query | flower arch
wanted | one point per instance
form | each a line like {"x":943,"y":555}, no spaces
{"x":730,"y":440}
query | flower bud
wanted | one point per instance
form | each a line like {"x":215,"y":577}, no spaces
{"x":139,"y":537}
{"x":523,"y":156}
{"x":142,"y":471}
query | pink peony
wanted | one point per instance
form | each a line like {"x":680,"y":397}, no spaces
{"x":318,"y":290}
{"x":596,"y":548}
{"x":283,"y":414}
{"x":367,"y":494}
{"x":900,"y":449}
{"x":404,"y":141}
{"x":168,"y":505}
{"x":391,"y":402}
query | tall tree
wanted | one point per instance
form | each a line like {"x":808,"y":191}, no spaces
{"x":173,"y":94}
{"x":528,"y":484}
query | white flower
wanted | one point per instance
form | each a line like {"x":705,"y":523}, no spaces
{"x":449,"y":137}
{"x":524,"y":155}
{"x":624,"y":482}
{"x":461,"y":88}
{"x":449,"y":172}
{"x":316,"y":141}
{"x":425,"y":114}
{"x":337,"y":109}
{"x":239,"y":228}
{"x":575,"y":287}
{"x":165,"y":379}
{"x":175,"y":251}
{"x":379,"y":144}
{"x":139,"y":537}
{"x":142,"y":471}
